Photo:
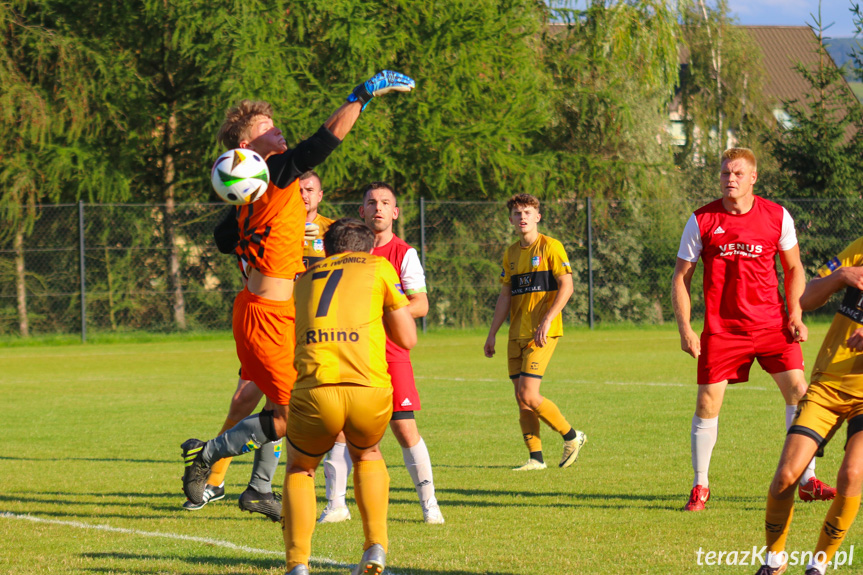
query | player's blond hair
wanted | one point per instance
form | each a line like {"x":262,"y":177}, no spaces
{"x":526,"y":200}
{"x":732,"y":154}
{"x":238,"y":121}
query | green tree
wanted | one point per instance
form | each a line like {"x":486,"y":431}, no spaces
{"x":820,"y":151}
{"x":174,"y":68}
{"x":721,"y":91}
{"x":821,"y":156}
{"x":52,"y":122}
{"x":467,"y":131}
{"x":614,"y":69}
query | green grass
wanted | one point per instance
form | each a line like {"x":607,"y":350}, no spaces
{"x":90,"y":437}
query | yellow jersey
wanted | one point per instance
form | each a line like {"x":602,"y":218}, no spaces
{"x":339,"y":320}
{"x":531,"y":273}
{"x":313,"y":251}
{"x":838,"y":366}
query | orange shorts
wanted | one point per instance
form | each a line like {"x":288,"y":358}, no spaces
{"x":265,"y":338}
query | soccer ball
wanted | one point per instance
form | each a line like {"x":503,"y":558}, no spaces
{"x":240,"y":176}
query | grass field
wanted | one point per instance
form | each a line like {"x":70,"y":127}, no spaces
{"x":90,"y":464}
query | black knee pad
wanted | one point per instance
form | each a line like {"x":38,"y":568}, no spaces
{"x":268,"y":425}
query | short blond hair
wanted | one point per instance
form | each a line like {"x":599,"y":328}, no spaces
{"x":732,"y":154}
{"x":238,"y":121}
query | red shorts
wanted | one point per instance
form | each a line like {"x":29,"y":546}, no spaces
{"x":405,"y":394}
{"x":265,"y":339}
{"x":729,"y":355}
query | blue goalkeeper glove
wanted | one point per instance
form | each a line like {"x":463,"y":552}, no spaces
{"x":380,"y":84}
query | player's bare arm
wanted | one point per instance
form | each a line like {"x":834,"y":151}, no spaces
{"x":419,"y":305}
{"x":564,"y":292}
{"x":401,"y":328}
{"x":819,"y":290}
{"x":795,"y":284}
{"x":681,"y":299}
{"x":501,"y":311}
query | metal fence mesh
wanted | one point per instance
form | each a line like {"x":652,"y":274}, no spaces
{"x":127,"y":261}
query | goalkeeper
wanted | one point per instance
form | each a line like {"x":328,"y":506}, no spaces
{"x":247,"y":395}
{"x":271,"y":241}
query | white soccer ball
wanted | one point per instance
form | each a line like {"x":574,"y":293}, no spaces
{"x":240,"y":176}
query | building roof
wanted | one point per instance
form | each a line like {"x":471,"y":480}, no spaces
{"x":782,"y":48}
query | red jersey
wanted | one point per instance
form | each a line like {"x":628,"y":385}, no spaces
{"x":741,"y":287}
{"x":407,"y":263}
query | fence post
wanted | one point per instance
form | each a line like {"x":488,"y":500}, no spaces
{"x":590,"y":262}
{"x":423,"y":246}
{"x":83,"y":268}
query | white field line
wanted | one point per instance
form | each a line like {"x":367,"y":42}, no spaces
{"x":591,"y":382}
{"x":204,"y":540}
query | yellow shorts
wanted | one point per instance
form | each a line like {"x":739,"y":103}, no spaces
{"x":823,"y":409}
{"x":525,"y":358}
{"x":318,"y":414}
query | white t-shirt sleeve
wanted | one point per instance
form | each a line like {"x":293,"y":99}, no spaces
{"x":412,"y":275}
{"x":690,"y":242}
{"x":788,"y":237}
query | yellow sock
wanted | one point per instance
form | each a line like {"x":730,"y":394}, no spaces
{"x":220,"y":468}
{"x":298,"y":511}
{"x":839,"y":518}
{"x":777,"y":522}
{"x":372,"y":492}
{"x":552,"y":417}
{"x":529,"y":423}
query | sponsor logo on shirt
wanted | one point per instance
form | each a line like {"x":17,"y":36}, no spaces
{"x":401,"y":290}
{"x":748,"y":250}
{"x":334,"y":335}
{"x":719,"y":230}
{"x":834,"y":264}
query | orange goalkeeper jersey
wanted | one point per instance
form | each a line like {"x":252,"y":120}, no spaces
{"x":339,"y":320}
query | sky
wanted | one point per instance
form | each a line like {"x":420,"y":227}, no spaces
{"x":796,"y":13}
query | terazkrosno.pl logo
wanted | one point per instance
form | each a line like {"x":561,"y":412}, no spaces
{"x":757,"y":556}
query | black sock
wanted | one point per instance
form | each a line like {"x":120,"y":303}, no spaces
{"x":537,"y":455}
{"x":570,"y":435}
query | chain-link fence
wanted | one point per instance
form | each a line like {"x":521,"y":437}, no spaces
{"x":112,"y":267}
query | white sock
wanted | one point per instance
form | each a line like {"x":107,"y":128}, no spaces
{"x":337,"y":468}
{"x":418,"y":464}
{"x":809,"y":473}
{"x":790,"y":410}
{"x":704,"y":434}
